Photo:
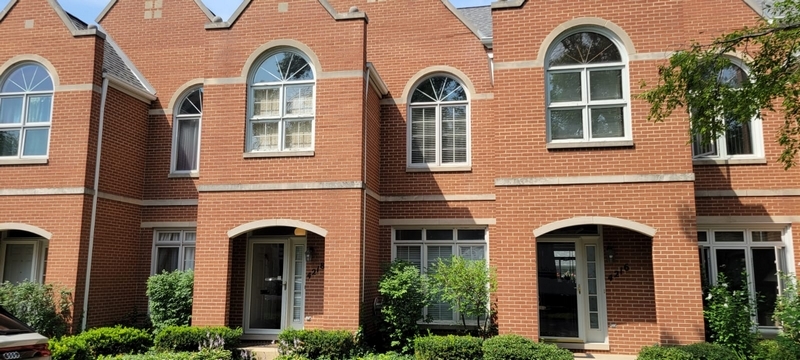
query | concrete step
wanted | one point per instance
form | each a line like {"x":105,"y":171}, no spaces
{"x":604,"y":356}
{"x":263,"y":352}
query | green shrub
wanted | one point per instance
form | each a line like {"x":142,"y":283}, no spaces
{"x":387,"y":356}
{"x":781,"y":348}
{"x":291,"y":357}
{"x":663,"y":353}
{"x":44,"y":308}
{"x":170,"y":296}
{"x":117,"y":340}
{"x":449,"y":347}
{"x":515,"y":347}
{"x":205,"y":354}
{"x":466,"y":285}
{"x":729,"y":313}
{"x":69,"y":348}
{"x":315,"y":344}
{"x":405,"y":295}
{"x":706,"y":351}
{"x":190,"y":338}
{"x":787,"y":308}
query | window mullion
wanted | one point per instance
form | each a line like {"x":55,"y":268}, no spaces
{"x":438,"y":134}
{"x":282,"y":119}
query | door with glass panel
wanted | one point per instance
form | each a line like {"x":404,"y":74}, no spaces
{"x":571,"y":294}
{"x":275,"y":286}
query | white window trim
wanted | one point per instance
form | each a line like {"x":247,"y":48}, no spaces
{"x":585,"y":103}
{"x":40,"y":248}
{"x":251,"y":87}
{"x":756,"y":136}
{"x":180,"y":245}
{"x":438,"y":165}
{"x":175,"y":119}
{"x":786,"y":244}
{"x":423,"y":244}
{"x":22,"y":126}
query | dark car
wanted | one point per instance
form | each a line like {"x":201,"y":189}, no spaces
{"x":19,"y":341}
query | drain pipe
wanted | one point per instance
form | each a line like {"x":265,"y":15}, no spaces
{"x":95,"y":190}
{"x":365,"y":118}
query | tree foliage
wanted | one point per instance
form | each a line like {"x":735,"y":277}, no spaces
{"x":466,"y":285}
{"x":694,"y":81}
{"x":405,"y":295}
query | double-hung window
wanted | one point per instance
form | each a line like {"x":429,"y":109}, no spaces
{"x":173,"y":250}
{"x":186,"y":143}
{"x":587,"y":90}
{"x":740,"y":140}
{"x":438,"y":126}
{"x":423,"y":247}
{"x":751,"y":256}
{"x":281,"y":109}
{"x":26,"y":106}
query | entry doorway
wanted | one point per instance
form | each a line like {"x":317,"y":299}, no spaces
{"x":274,"y":286}
{"x":571,"y":291}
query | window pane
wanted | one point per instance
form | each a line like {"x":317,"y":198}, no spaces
{"x":702,"y":236}
{"x":30,"y":77}
{"x":423,"y":135}
{"x":193,"y":103}
{"x":298,"y":135}
{"x":188,"y":258}
{"x":607,"y":122}
{"x":169,"y":237}
{"x":733,"y":76}
{"x":439,"y":88}
{"x":565,"y":87}
{"x":265,"y":136}
{"x":566,"y":124}
{"x":300,"y":100}
{"x":10,"y":110}
{"x":190,"y":236}
{"x":438,"y":252}
{"x":408,"y":235}
{"x":9,"y":143}
{"x":439,"y":234}
{"x":440,"y":311}
{"x":412,"y":254}
{"x":36,"y":142}
{"x":728,"y":236}
{"x":762,"y":236}
{"x":267,"y":102}
{"x":590,"y":255}
{"x":701,"y":149}
{"x":186,"y":148}
{"x":605,"y":85}
{"x":705,"y":263}
{"x":731,"y":262}
{"x":471,"y":234}
{"x":283,"y":66}
{"x":738,"y":138}
{"x":18,"y":264}
{"x":584,"y":48}
{"x":166,"y":259}
{"x":39,"y":108}
{"x":472,"y":252}
{"x":454,"y":134}
{"x":765,"y":276}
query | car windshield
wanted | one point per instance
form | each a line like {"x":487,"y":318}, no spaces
{"x":11,"y":325}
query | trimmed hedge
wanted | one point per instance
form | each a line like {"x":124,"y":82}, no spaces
{"x":707,"y":351}
{"x":205,"y":354}
{"x":515,"y":347}
{"x":69,"y":348}
{"x":663,"y":353}
{"x":387,"y":356}
{"x":101,"y":341}
{"x":781,"y":348}
{"x":449,"y":347}
{"x":170,"y":298}
{"x":189,"y":338}
{"x":314,"y":344}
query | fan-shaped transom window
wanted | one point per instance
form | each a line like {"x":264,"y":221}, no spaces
{"x":740,"y":139}
{"x":186,"y":143}
{"x":26,"y":106}
{"x":438,"y":123}
{"x":281,"y":114}
{"x":587,"y":89}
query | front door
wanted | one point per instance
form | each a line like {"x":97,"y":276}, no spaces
{"x":275,"y":290}
{"x":571,"y":290}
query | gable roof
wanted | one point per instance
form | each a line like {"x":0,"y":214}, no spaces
{"x":73,"y":27}
{"x":481,"y":17}
{"x":209,"y":14}
{"x":217,"y":23}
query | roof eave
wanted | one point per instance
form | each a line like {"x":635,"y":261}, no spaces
{"x":64,"y":18}
{"x":508,"y":4}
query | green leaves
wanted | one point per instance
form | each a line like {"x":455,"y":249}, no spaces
{"x":405,"y":295}
{"x":170,"y":296}
{"x":44,"y":308}
{"x":729,"y":313}
{"x":466,"y":285}
{"x":693,"y":81}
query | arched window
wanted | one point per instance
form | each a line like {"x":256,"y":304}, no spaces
{"x":26,"y":107}
{"x":587,"y":89}
{"x":186,"y":140}
{"x":281,"y":111}
{"x":438,"y":125}
{"x":740,"y":139}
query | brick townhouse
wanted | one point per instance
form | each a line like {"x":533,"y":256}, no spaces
{"x":289,"y":152}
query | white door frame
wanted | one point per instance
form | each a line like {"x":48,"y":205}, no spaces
{"x":585,"y":334}
{"x":290,"y":246}
{"x":40,"y":247}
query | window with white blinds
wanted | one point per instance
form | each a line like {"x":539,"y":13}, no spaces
{"x":424,"y":247}
{"x":173,"y":250}
{"x":438,"y":124}
{"x":186,"y":138}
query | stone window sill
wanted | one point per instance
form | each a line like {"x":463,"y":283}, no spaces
{"x":251,"y":155}
{"x":464,"y":168}
{"x":589,"y":144}
{"x":184,"y":175}
{"x":757,"y":161}
{"x":23,"y":161}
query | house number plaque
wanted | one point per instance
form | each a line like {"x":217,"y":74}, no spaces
{"x":316,"y":270}
{"x":623,"y":269}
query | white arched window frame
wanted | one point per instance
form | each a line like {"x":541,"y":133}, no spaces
{"x":26,"y":110}
{"x":588,"y":88}
{"x":281,"y":103}
{"x":186,"y":132}
{"x":740,"y":141}
{"x":439,"y":123}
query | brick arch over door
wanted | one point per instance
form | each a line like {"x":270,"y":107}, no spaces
{"x":244,"y":228}
{"x":25,"y":227}
{"x":596,"y":220}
